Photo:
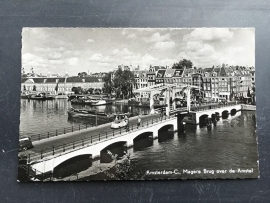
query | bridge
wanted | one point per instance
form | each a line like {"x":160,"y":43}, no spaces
{"x":50,"y":153}
{"x":169,"y":90}
{"x":211,"y":111}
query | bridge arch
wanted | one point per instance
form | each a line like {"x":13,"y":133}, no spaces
{"x":233,"y":111}
{"x":225,"y":114}
{"x":143,"y":135}
{"x":166,"y":132}
{"x":114,"y":150}
{"x":143,"y":141}
{"x":72,"y":165}
{"x":166,"y":128}
{"x":202,"y":118}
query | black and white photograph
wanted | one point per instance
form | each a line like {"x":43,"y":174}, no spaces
{"x":137,"y":104}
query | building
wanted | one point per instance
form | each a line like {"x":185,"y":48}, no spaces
{"x":160,"y":76}
{"x":64,"y":84}
{"x":168,"y":76}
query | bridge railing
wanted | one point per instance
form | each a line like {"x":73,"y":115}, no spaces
{"x":81,"y":143}
{"x":213,"y":106}
{"x":61,"y":131}
{"x":34,"y":173}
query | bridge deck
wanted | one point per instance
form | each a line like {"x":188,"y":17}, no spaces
{"x":69,"y":141}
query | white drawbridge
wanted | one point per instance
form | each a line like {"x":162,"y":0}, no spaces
{"x":169,"y":91}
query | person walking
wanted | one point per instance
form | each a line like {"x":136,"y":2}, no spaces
{"x":139,"y":121}
{"x":127,"y":120}
{"x":161,"y":113}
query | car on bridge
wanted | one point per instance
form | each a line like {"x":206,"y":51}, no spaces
{"x":120,"y":121}
{"x":25,"y":144}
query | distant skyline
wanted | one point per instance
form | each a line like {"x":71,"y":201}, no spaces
{"x":74,"y":50}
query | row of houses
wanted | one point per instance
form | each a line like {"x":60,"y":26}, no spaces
{"x":214,"y":83}
{"x":221,"y":82}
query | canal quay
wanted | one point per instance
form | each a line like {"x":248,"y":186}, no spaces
{"x":227,"y":150}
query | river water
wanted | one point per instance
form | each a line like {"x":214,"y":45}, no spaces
{"x":229,"y":150}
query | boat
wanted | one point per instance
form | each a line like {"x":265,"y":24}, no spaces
{"x":40,"y":96}
{"x":120,"y":121}
{"x":60,"y":96}
{"x":85,"y":113}
{"x":25,"y":96}
{"x":81,"y":100}
{"x":98,"y":102}
{"x":91,"y":101}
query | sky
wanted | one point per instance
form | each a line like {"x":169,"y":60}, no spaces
{"x":74,"y":50}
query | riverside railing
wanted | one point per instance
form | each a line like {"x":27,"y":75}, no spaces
{"x":78,"y":144}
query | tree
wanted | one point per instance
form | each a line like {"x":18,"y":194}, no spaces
{"x":102,"y":89}
{"x":248,"y":93}
{"x":76,"y":90}
{"x":108,"y":83}
{"x":90,"y":90}
{"x":123,"y":82}
{"x":253,"y":94}
{"x":56,"y":87}
{"x":97,"y":91}
{"x":82,"y":74}
{"x":183,"y":63}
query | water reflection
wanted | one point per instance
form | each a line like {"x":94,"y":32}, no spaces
{"x":36,"y":116}
{"x":165,"y":136}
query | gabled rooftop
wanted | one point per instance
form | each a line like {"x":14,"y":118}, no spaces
{"x":169,"y":72}
{"x":160,"y":73}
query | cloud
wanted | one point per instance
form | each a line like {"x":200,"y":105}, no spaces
{"x":56,"y":62}
{"x":132,"y":36}
{"x":72,"y":61}
{"x":156,"y":37}
{"x":164,"y":45}
{"x":29,"y":59}
{"x":43,"y":50}
{"x":90,"y":40}
{"x":100,"y":58}
{"x":96,"y":57}
{"x":209,"y":34}
{"x":54,"y":55}
{"x":199,"y":49}
{"x":123,"y":52}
